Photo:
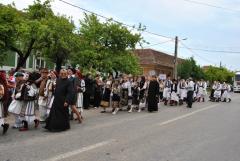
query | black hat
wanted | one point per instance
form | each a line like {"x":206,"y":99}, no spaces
{"x":19,"y":74}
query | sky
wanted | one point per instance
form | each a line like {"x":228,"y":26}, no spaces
{"x":197,"y":26}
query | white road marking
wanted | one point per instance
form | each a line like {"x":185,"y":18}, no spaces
{"x":84,"y":149}
{"x":187,"y":115}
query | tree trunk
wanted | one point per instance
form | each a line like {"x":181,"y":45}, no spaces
{"x":21,"y":62}
{"x":58,"y":65}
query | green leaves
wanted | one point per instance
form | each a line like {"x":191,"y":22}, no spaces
{"x":221,"y":74}
{"x":189,"y":68}
{"x":106,"y":46}
{"x":96,"y":45}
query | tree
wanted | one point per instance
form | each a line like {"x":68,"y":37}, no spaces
{"x":23,"y":31}
{"x":106,"y":46}
{"x":189,"y":68}
{"x":61,"y":40}
{"x":218,"y":74}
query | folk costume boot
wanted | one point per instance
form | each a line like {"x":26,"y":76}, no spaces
{"x":176,"y":103}
{"x":130,"y":110}
{"x":25,"y":126}
{"x":229,"y":100}
{"x":165,"y":102}
{"x":37,"y":122}
{"x":171,"y":103}
{"x":5,"y":128}
{"x":180,"y":102}
{"x":199,"y":99}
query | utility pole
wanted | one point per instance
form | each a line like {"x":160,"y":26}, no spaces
{"x":175,"y":58}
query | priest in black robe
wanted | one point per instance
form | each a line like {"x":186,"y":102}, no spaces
{"x":58,"y":119}
{"x":153,"y":93}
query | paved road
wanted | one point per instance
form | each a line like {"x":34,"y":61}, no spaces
{"x":208,"y":132}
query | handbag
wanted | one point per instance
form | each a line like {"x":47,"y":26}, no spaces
{"x":104,"y":104}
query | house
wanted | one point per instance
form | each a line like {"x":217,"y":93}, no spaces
{"x":155,"y":62}
{"x":34,"y":62}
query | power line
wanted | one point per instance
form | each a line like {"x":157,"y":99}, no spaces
{"x":107,"y":18}
{"x":163,"y":42}
{"x":212,"y":5}
{"x":214,"y":51}
{"x":185,"y":46}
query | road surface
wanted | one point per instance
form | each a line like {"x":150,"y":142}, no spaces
{"x":207,"y":132}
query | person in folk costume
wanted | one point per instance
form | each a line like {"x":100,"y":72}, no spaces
{"x":4,"y":125}
{"x":11,"y":86}
{"x":225,"y":92}
{"x":144,"y":82}
{"x":17,"y":99}
{"x":228,"y":93}
{"x":75,"y":83}
{"x":190,"y":92}
{"x":142,"y":89}
{"x":80,"y":91}
{"x":107,"y":93}
{"x":28,"y":111}
{"x":161,"y":89}
{"x":126,"y":91}
{"x":116,"y":97}
{"x":214,"y":86}
{"x":202,"y":90}
{"x":218,"y":92}
{"x":167,"y":90}
{"x":182,"y":91}
{"x":135,"y":97}
{"x":153,"y":95}
{"x":195,"y":92}
{"x":97,"y":91}
{"x":174,"y":93}
{"x":58,"y":119}
{"x":50,"y":88}
{"x":88,"y":91}
{"x":6,"y":95}
{"x":42,"y":98}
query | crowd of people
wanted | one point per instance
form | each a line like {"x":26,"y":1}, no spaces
{"x":61,"y":97}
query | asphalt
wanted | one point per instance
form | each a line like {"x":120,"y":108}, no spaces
{"x":207,"y":132}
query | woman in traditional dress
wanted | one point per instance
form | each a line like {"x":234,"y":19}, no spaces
{"x":50,"y":88}
{"x":153,"y":92}
{"x":116,"y":95}
{"x":4,"y":125}
{"x":135,"y":97}
{"x":106,"y":94}
{"x":80,"y":91}
{"x":97,"y":92}
{"x":75,"y":82}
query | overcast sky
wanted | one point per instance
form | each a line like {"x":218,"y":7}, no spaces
{"x":204,"y":27}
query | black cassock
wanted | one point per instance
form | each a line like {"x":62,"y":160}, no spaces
{"x":153,"y":92}
{"x":58,"y":119}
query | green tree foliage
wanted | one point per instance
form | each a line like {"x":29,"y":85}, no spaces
{"x":218,"y":74}
{"x":100,"y":46}
{"x":189,"y":68}
{"x":60,"y":40}
{"x":23,"y":31}
{"x":106,"y":46}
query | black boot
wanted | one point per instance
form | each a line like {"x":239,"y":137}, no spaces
{"x":36,"y":121}
{"x":25,"y":126}
{"x":5,"y":128}
{"x":229,"y":100}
